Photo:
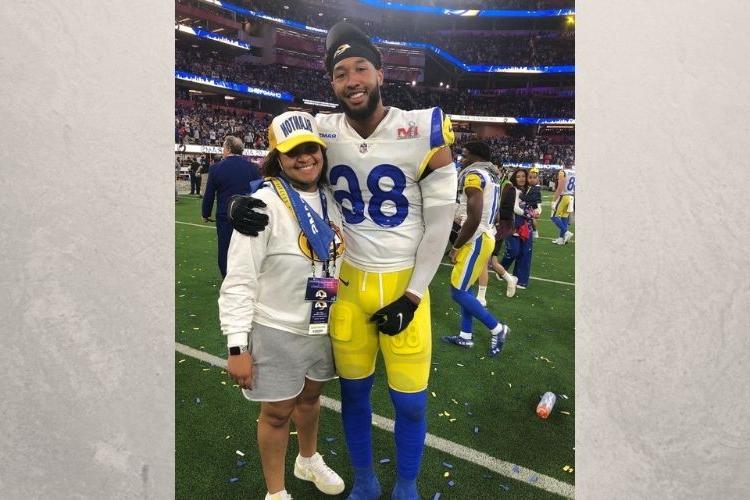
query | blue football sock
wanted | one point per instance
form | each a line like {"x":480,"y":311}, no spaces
{"x":405,"y":489}
{"x":559,"y":223}
{"x":465,"y":320}
{"x":470,"y":304}
{"x":366,"y":485}
{"x":356,"y":415}
{"x":409,"y":432}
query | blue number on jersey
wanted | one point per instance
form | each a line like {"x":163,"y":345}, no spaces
{"x":379,"y":196}
{"x":571,"y":184}
{"x":354,"y":195}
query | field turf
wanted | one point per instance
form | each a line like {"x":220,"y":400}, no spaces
{"x":490,"y":402}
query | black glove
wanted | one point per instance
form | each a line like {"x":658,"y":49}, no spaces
{"x":242,"y":216}
{"x":393,"y":318}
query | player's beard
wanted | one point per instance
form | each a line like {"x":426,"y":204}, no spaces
{"x":373,"y":97}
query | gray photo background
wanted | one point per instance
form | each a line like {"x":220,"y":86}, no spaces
{"x":87,"y":250}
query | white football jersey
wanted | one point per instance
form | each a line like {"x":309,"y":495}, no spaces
{"x":376,"y":183}
{"x":477,"y":176}
{"x":570,"y":182}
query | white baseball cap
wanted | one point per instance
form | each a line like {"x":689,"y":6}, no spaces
{"x":290,"y":129}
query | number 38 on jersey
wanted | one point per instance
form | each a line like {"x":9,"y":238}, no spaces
{"x":383,"y":200}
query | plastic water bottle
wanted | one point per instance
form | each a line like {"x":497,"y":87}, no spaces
{"x":544,"y":408}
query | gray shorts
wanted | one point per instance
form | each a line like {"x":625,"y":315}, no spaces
{"x":282,"y":360}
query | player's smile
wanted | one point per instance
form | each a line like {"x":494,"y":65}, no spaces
{"x":356,"y":96}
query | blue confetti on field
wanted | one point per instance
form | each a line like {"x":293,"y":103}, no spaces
{"x":241,"y":463}
{"x":437,"y":496}
{"x":233,"y":479}
{"x":506,"y":488}
{"x":385,"y":460}
{"x":470,"y":414}
{"x":451,"y":483}
{"x":330,"y":439}
{"x":516,"y":469}
{"x":197,"y":401}
{"x":476,"y":430}
{"x":447,"y":465}
{"x":533,"y":479}
{"x":333,"y":453}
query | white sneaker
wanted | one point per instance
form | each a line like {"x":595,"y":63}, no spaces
{"x":483,"y":302}
{"x":279,"y":495}
{"x":315,"y":469}
{"x":568,"y":236}
{"x":510,"y":290}
{"x":558,"y":241}
{"x":536,"y":234}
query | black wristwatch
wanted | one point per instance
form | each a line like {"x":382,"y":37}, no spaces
{"x":237,"y":350}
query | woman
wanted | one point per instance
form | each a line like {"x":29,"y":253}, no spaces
{"x":279,"y":349}
{"x":507,"y":209}
{"x":518,"y":246}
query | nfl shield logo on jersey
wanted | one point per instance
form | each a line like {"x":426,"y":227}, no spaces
{"x":363,"y":148}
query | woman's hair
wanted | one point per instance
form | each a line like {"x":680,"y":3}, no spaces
{"x":272,"y":165}
{"x":514,"y":177}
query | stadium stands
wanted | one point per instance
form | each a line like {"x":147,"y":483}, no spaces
{"x":287,"y":58}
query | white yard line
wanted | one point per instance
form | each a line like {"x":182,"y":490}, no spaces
{"x":206,"y":226}
{"x":532,"y":277}
{"x":457,"y":450}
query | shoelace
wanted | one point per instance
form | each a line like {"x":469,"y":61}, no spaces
{"x":319,"y":466}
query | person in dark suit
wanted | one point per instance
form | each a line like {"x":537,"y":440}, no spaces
{"x":195,"y":179}
{"x":226,"y":178}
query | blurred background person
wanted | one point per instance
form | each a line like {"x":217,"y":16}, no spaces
{"x":228,"y":177}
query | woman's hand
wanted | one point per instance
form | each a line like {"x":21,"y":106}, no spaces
{"x":240,"y":368}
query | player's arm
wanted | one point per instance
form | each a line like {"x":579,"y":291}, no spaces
{"x":474,"y":206}
{"x":558,"y":188}
{"x":438,"y":185}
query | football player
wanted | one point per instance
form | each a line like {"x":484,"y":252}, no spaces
{"x":393,"y":176}
{"x":562,"y":205}
{"x":473,"y":247}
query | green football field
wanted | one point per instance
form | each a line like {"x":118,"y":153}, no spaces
{"x":485,"y":439}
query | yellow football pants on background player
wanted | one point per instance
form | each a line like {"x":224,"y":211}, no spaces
{"x":561,"y":209}
{"x":356,"y":339}
{"x":471,"y":258}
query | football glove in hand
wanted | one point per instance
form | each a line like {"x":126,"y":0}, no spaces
{"x":396,"y":316}
{"x":242,"y":216}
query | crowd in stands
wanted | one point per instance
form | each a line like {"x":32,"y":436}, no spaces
{"x":207,"y":125}
{"x":526,"y":150}
{"x":531,"y":50}
{"x":312,"y":84}
{"x":478,"y":48}
{"x":301,"y":82}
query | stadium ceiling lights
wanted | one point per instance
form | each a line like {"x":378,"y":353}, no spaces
{"x":425,"y":9}
{"x":471,"y":68}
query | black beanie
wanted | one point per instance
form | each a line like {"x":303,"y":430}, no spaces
{"x":478,"y":148}
{"x":346,"y":40}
